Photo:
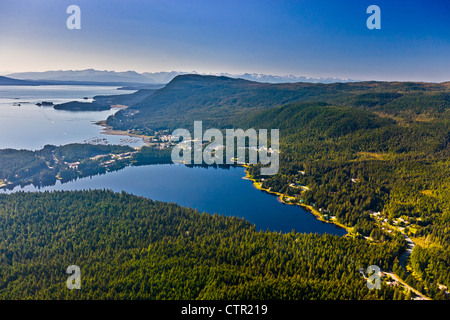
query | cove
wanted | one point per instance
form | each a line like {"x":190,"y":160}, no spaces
{"x":211,"y":190}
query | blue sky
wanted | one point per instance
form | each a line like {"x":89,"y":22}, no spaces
{"x":314,"y":38}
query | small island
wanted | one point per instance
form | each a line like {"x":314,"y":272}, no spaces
{"x":44,"y":104}
{"x":82,"y":106}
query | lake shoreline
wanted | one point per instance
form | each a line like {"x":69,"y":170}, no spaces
{"x":222,"y":192}
{"x":109,"y":130}
{"x":280,"y":196}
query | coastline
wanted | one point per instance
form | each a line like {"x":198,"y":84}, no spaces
{"x":113,"y":132}
{"x":280,"y":198}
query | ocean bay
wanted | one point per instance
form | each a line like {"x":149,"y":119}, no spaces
{"x":23,"y":125}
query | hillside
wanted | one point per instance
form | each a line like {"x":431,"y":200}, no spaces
{"x":316,"y":119}
{"x":222,"y":101}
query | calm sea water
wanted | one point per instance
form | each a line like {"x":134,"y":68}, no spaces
{"x":31,"y":127}
{"x":222,"y":191}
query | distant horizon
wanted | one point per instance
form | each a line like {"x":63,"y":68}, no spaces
{"x":224,"y":73}
{"x":4,"y":73}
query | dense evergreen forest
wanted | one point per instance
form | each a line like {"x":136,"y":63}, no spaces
{"x":130,"y":247}
{"x":373,"y":171}
{"x":82,"y":106}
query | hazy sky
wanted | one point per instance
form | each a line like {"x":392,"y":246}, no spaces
{"x":305,"y":37}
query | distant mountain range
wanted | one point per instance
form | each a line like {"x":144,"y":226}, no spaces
{"x":7,"y":81}
{"x":259,"y":77}
{"x":91,"y":75}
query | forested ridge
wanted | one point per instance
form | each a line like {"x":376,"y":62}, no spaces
{"x":130,"y":247}
{"x":221,"y":101}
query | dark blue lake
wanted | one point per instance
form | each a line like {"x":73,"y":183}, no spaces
{"x":222,"y":191}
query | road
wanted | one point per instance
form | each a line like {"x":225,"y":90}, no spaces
{"x":403,"y":260}
{"x":419,"y":296}
{"x":404,"y":257}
